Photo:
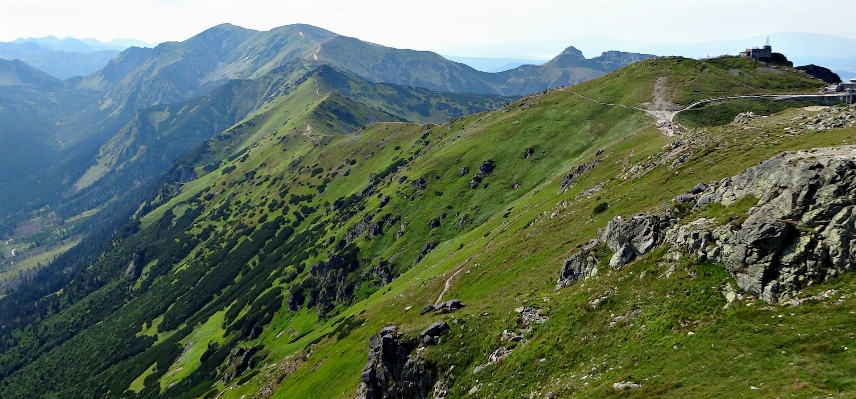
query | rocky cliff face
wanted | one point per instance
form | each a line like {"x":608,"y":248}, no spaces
{"x":801,"y":231}
{"x":394,"y":369}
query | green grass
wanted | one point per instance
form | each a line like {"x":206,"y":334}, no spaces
{"x":518,"y":231}
{"x":723,"y":112}
{"x":195,"y":345}
{"x":137,"y":384}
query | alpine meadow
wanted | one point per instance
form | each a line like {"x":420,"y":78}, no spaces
{"x":294,"y":213}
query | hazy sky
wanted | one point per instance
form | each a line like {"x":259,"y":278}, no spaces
{"x":437,"y":26}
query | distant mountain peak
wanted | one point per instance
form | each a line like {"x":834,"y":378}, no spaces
{"x":570,"y":52}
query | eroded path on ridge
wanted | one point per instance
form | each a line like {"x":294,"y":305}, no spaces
{"x":664,"y":111}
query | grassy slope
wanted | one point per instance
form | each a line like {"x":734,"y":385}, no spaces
{"x":331,"y":372}
{"x":521,"y":269}
{"x":511,"y":251}
{"x":504,"y":283}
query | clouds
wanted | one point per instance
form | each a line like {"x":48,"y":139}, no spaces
{"x":437,"y":26}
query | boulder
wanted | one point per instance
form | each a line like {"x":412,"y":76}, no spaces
{"x":419,"y":184}
{"x":581,"y":265}
{"x":435,"y":329}
{"x":450,"y":306}
{"x":634,"y":236}
{"x":624,"y":385}
{"x":487,"y":167}
{"x":392,"y":371}
{"x":528,"y":152}
{"x":623,"y":256}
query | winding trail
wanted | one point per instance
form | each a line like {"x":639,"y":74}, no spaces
{"x":665,"y":114}
{"x":449,"y":282}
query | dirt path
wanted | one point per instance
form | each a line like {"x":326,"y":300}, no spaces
{"x":664,"y":117}
{"x":664,"y":111}
{"x":449,"y":282}
{"x":459,"y":269}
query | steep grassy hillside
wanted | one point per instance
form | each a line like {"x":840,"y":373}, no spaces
{"x":87,"y":114}
{"x":316,"y":102}
{"x":267,"y":274}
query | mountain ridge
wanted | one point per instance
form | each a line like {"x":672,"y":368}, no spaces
{"x":268,"y":272}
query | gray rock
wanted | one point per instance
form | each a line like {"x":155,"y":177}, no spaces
{"x":642,"y":232}
{"x":568,"y":180}
{"x":624,"y":385}
{"x":744,"y":117}
{"x":801,"y":231}
{"x":580,"y":265}
{"x":528,"y":152}
{"x":487,"y":167}
{"x":240,"y":359}
{"x":419,"y":184}
{"x":623,"y":256}
{"x":684,"y":198}
{"x":427,"y":309}
{"x":429,"y":246}
{"x":449,"y":306}
{"x":392,"y":372}
{"x":699,"y":188}
{"x":435,"y":329}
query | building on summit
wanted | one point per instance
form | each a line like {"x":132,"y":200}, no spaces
{"x":759,"y":54}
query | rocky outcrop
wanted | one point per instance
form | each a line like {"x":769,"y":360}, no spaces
{"x":744,"y":118}
{"x":802,"y":230}
{"x":395,"y":369}
{"x":485,"y":169}
{"x":366,"y":225}
{"x":569,"y":180}
{"x":821,"y":73}
{"x":431,"y":334}
{"x":830,"y":118}
{"x":240,"y":359}
{"x":630,"y":238}
{"x":419,"y":184}
{"x":580,"y":265}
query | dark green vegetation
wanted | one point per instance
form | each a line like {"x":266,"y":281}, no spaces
{"x":72,"y":148}
{"x":297,"y":244}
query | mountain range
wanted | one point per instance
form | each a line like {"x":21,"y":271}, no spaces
{"x":84,"y":116}
{"x":65,"y":58}
{"x":296,"y":213}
